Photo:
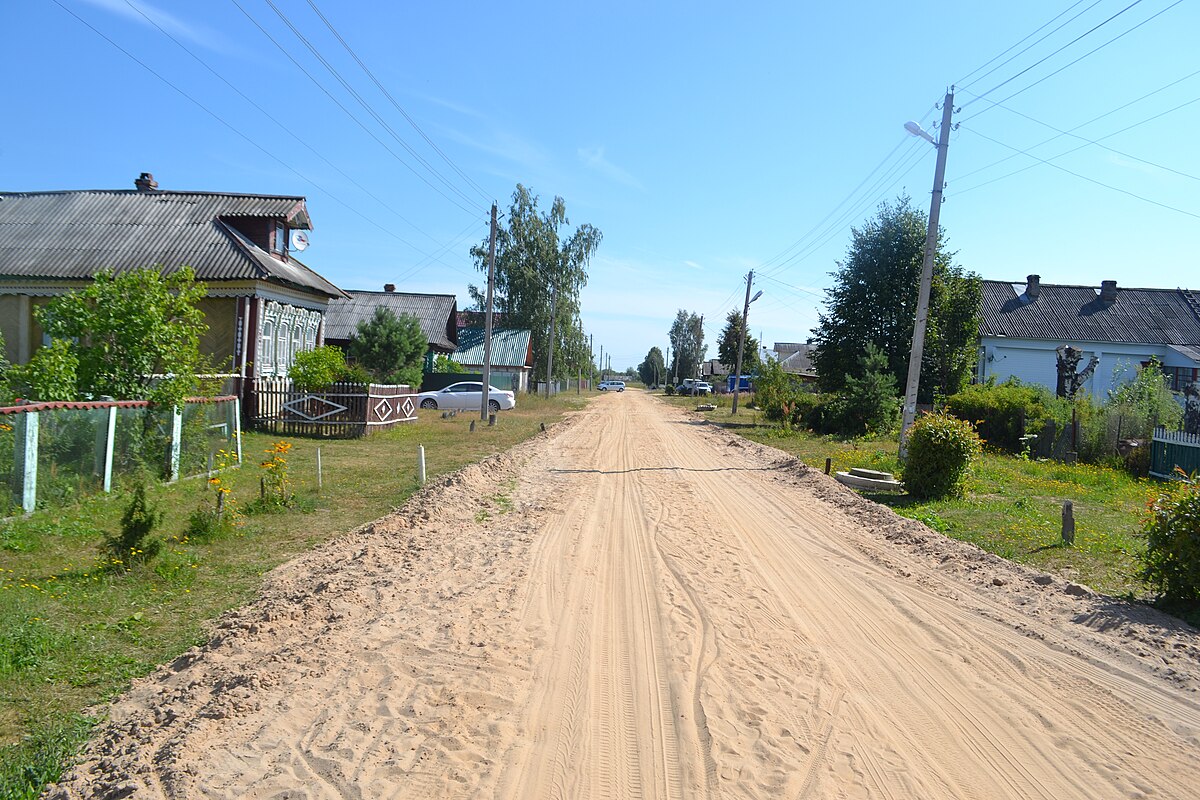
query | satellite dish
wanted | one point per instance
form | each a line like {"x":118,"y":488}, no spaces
{"x":299,"y":240}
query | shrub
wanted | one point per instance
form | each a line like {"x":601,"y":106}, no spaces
{"x":1005,"y":412}
{"x":134,"y":544}
{"x":668,"y":389}
{"x":940,"y":450}
{"x":1172,"y":558}
{"x":315,"y":369}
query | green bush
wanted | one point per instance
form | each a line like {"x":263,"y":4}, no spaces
{"x":869,"y":403}
{"x":1172,"y":558}
{"x":1004,"y":412}
{"x":940,"y":450}
{"x":668,"y":389}
{"x":315,"y":369}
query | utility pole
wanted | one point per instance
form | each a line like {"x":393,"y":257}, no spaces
{"x":737,"y":370}
{"x":931,"y":235}
{"x":591,"y":357}
{"x":601,"y":365}
{"x":487,"y":320}
{"x":550,"y":353}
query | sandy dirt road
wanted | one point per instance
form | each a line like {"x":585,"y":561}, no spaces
{"x":639,"y":605}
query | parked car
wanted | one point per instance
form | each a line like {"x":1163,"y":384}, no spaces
{"x":466,"y":395}
{"x":611,"y":386}
{"x":694,"y":387}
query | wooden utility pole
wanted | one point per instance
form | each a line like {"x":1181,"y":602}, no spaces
{"x":550,"y":349}
{"x":931,"y":234}
{"x":737,"y":370}
{"x":601,"y":362}
{"x":487,"y":319}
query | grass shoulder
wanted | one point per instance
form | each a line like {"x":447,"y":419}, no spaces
{"x":76,"y":628}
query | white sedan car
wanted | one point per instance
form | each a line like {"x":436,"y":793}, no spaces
{"x":465,"y":396}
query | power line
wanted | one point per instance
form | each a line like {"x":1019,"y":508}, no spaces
{"x":1070,"y":63}
{"x":1084,"y":177}
{"x":962,"y":82}
{"x":362,"y":102}
{"x":397,"y":106}
{"x":239,"y":133}
{"x":1072,"y":150}
{"x":1094,"y":120}
{"x":286,"y":129}
{"x":347,"y":111}
{"x":1096,"y":142}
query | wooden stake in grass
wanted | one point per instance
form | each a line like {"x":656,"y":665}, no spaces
{"x":318,"y":469}
{"x":1068,"y":523}
{"x":421,"y":464}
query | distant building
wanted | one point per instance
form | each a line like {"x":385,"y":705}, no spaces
{"x":1022,"y":324}
{"x":512,"y":355}
{"x":437,"y":314}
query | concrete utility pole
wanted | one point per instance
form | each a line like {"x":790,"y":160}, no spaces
{"x":931,"y":235}
{"x":601,"y":365}
{"x":550,"y":350}
{"x":737,"y":370}
{"x":487,"y":319}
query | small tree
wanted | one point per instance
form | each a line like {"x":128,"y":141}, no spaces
{"x":869,"y":403}
{"x":317,"y":368}
{"x":940,"y":451}
{"x":117,"y":334}
{"x":134,"y":544}
{"x":391,"y":347}
{"x":728,"y":341}
{"x":1146,"y":401}
{"x":446,"y":364}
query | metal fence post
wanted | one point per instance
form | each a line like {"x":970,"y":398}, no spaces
{"x":237,"y":426}
{"x":108,"y":448}
{"x":176,"y":442}
{"x":28,"y":443}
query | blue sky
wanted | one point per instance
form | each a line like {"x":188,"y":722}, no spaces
{"x":703,"y":141}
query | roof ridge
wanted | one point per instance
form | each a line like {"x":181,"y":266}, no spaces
{"x":153,"y":193}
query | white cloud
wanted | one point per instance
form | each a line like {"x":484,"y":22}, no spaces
{"x":145,"y":14}
{"x":593,"y":158}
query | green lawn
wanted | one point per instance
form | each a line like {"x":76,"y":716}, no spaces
{"x":1012,"y":507}
{"x":73,"y":632}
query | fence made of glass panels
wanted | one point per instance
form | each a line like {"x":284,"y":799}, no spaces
{"x":51,"y":453}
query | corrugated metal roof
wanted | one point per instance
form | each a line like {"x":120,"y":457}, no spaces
{"x":510,"y":348}
{"x":1077,"y":314}
{"x":73,"y":235}
{"x":435,"y":312}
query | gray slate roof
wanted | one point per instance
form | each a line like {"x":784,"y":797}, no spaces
{"x":435,"y":312}
{"x":1076,"y":314}
{"x":510,"y":348}
{"x":73,"y":235}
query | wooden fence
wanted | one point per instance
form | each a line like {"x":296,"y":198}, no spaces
{"x":1172,"y":450}
{"x":343,"y":411}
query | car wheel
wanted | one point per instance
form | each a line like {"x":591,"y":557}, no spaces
{"x":429,"y":402}
{"x":493,"y":406}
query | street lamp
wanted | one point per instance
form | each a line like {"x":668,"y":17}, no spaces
{"x":935,"y":207}
{"x":737,"y":371}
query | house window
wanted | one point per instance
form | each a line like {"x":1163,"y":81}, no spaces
{"x":297,"y":340}
{"x":283,"y":359}
{"x":267,"y":357}
{"x":279,"y":238}
{"x":1179,"y":377}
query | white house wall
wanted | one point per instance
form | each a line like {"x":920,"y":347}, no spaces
{"x":1035,"y":361}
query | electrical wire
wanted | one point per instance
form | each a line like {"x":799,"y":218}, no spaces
{"x":286,"y":129}
{"x":347,"y":111}
{"x":395,"y":104}
{"x":366,"y":106}
{"x":1096,"y":142}
{"x":242,"y":135}
{"x":1070,"y":63}
{"x":1094,"y":120}
{"x":1083,"y":177}
{"x":962,"y":83}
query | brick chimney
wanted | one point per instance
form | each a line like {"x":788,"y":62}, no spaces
{"x":1033,"y":286}
{"x":146,"y":182}
{"x":389,"y":287}
{"x":1108,"y":291}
